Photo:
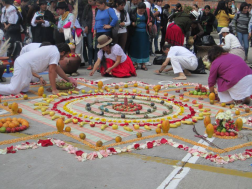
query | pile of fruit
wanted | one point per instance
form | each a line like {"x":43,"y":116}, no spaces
{"x":199,"y":90}
{"x":12,"y":125}
{"x":127,"y":108}
{"x":64,"y":85}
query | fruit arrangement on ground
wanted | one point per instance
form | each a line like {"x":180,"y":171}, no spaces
{"x":64,"y":85}
{"x":127,"y":108}
{"x":199,"y":90}
{"x":12,"y":125}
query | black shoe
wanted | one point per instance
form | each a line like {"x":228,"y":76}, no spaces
{"x":158,"y":52}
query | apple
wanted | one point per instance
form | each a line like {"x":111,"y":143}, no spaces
{"x":201,"y":115}
{"x":194,"y":101}
{"x":227,"y":133}
{"x":146,"y":87}
{"x":13,"y":130}
{"x":136,"y":127}
{"x":120,"y":90}
{"x":70,"y":92}
{"x":222,"y":134}
{"x":75,"y":121}
{"x":230,"y":134}
{"x":8,"y":130}
{"x":83,"y":91}
{"x":223,"y":104}
{"x":184,"y":89}
{"x":147,"y":92}
{"x":17,"y":129}
{"x":181,"y":97}
{"x":25,"y":97}
{"x":44,"y":95}
{"x":114,"y":126}
{"x":92,"y":124}
{"x":194,"y":120}
{"x":217,"y":133}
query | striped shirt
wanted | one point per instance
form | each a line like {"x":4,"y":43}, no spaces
{"x":241,"y":24}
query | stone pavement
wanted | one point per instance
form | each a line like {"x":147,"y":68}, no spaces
{"x":160,"y":167}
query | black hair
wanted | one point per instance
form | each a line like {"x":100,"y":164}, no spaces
{"x":221,"y":6}
{"x":166,"y":46}
{"x":101,"y":1}
{"x":9,"y":2}
{"x":207,"y":7}
{"x":244,"y":4}
{"x":215,"y":52}
{"x":123,"y":13}
{"x":196,"y":6}
{"x":46,"y":43}
{"x":166,"y":6}
{"x":63,"y":47}
{"x":178,"y":5}
{"x":141,"y":5}
{"x":158,"y":1}
{"x":24,"y":1}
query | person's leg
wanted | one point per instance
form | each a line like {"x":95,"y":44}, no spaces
{"x":90,"y":50}
{"x":85,"y":56}
{"x":156,"y":38}
{"x":225,"y":97}
{"x":220,"y":36}
{"x":239,"y":36}
{"x":177,"y":68}
{"x":246,"y":44}
{"x":122,"y":38}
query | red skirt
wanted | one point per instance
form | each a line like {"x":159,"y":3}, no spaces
{"x":174,"y":35}
{"x":125,"y":69}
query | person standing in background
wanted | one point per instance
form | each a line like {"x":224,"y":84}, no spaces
{"x":207,"y":20}
{"x":158,"y":18}
{"x":164,"y":20}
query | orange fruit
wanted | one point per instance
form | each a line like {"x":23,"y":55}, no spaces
{"x":237,"y":112}
{"x":11,"y":125}
{"x":118,"y":139}
{"x":3,"y":120}
{"x":26,"y":123}
{"x":8,"y":122}
{"x":117,"y":87}
{"x":10,"y":106}
{"x":139,"y":135}
{"x":5,"y":104}
{"x":207,"y":120}
{"x":5,"y":125}
{"x":68,"y":129}
{"x":99,"y":143}
{"x":14,"y":119}
{"x":20,"y":110}
{"x":1,"y":124}
{"x":158,"y":130}
{"x":82,"y":136}
{"x":16,"y":123}
{"x":8,"y":119}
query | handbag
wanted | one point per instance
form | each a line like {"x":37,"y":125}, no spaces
{"x":159,"y":60}
{"x":201,"y":67}
{"x":151,"y":30}
{"x":208,"y":40}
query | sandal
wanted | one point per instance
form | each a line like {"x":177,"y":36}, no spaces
{"x":143,"y":67}
{"x":136,"y":66}
{"x":89,"y":67}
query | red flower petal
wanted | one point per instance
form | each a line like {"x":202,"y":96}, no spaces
{"x":79,"y":153}
{"x":163,"y":141}
{"x":136,"y":146}
{"x":149,"y":145}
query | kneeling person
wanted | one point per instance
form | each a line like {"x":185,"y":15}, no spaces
{"x":182,"y":60}
{"x":37,"y":61}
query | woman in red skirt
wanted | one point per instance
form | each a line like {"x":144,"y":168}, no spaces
{"x":112,"y":60}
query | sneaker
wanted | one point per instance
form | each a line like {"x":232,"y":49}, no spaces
{"x":148,"y":63}
{"x":89,"y":67}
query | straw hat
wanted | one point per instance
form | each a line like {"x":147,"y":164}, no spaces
{"x":103,"y":41}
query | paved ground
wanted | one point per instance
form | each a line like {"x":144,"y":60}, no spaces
{"x":160,"y":167}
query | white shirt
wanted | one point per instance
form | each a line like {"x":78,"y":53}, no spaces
{"x":116,"y":50}
{"x":126,"y":21}
{"x":148,"y":5}
{"x":159,"y":9}
{"x":10,"y":15}
{"x":231,"y":42}
{"x":179,"y":51}
{"x":30,"y":47}
{"x":39,"y":59}
{"x":69,"y":18}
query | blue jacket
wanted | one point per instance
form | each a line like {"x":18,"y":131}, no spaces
{"x":105,"y":17}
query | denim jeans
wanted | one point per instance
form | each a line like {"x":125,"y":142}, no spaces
{"x":243,"y":38}
{"x":156,"y":38}
{"x":220,"y":36}
{"x":91,"y":51}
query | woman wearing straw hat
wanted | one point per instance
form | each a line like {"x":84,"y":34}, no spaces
{"x":112,"y":60}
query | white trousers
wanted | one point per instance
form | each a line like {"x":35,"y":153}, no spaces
{"x":238,"y":52}
{"x":20,"y":81}
{"x":239,"y":91}
{"x":179,"y":63}
{"x":79,"y":49}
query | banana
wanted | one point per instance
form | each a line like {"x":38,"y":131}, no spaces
{"x":127,"y":129}
{"x":55,"y":117}
{"x":196,"y":105}
{"x":45,"y":113}
{"x":68,"y":121}
{"x":198,"y":118}
{"x":75,"y":92}
{"x":63,"y":94}
{"x":201,"y":110}
{"x":41,"y":104}
{"x":187,"y":122}
{"x":82,"y":124}
{"x":53,"y":96}
{"x":173,"y":126}
{"x":44,"y":109}
{"x":178,"y":123}
{"x":103,"y":127}
{"x":206,"y":113}
{"x":186,"y":100}
{"x":208,"y":109}
{"x":147,"y":128}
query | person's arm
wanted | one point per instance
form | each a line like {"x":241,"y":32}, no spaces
{"x":211,"y":89}
{"x":34,"y":22}
{"x":231,"y":16}
{"x":165,"y":63}
{"x":62,"y":74}
{"x":212,"y":76}
{"x":52,"y":76}
{"x":117,"y":62}
{"x":96,"y":65}
{"x":83,"y":17}
{"x":127,"y":23}
{"x":112,"y":14}
{"x":250,"y":27}
{"x":233,"y":23}
{"x":41,"y":80}
{"x":201,"y":32}
{"x":227,"y":45}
